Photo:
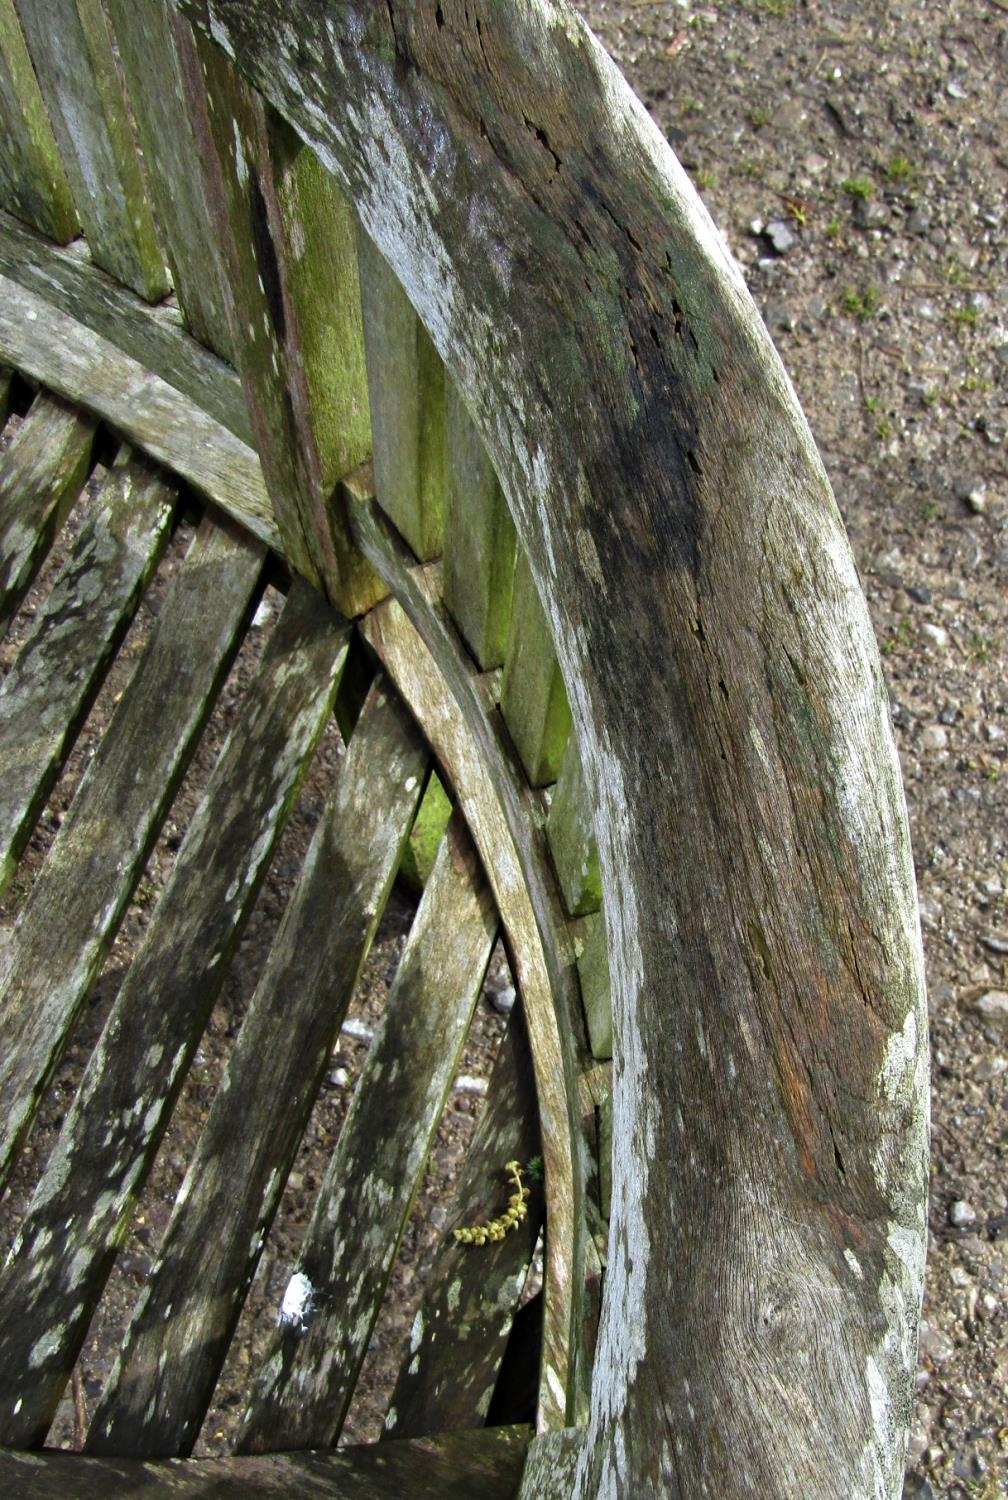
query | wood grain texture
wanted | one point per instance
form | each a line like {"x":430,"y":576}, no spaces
{"x":448,"y":1466}
{"x":72,"y":913}
{"x":593,"y":972}
{"x":461,"y":1329}
{"x":79,"y":1212}
{"x":288,"y":238}
{"x":533,"y":697}
{"x":151,"y":38}
{"x":59,"y":669}
{"x":435,"y":676}
{"x":570,"y":829}
{"x":85,"y":367}
{"x":406,"y":383}
{"x":770,"y":1109}
{"x":67,"y":280}
{"x":33,"y":184}
{"x":73,"y":57}
{"x":302,"y":1395}
{"x":158,"y":1393}
{"x":479,"y":541}
{"x":41,"y":474}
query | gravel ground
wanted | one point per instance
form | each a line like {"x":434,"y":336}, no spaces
{"x":855,"y":157}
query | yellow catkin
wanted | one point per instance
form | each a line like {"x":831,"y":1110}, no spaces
{"x":496,"y":1229}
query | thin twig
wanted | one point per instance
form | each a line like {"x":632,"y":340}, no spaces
{"x":80,"y":1411}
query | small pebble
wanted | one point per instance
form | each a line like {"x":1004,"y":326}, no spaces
{"x":337,"y":1078}
{"x":961,"y":1213}
{"x":502,"y":1000}
{"x":936,"y":633}
{"x":919,"y":221}
{"x":466,"y":1083}
{"x":781,"y":236}
{"x":358,"y":1029}
{"x":992,"y":1007}
{"x":934,"y":738}
{"x":935,"y":1345}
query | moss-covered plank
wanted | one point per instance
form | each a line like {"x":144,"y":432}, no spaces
{"x":174,"y":1348}
{"x":149,"y":36}
{"x":288,"y":238}
{"x":72,"y":913}
{"x":79,"y":1211}
{"x":302,"y":1395}
{"x":41,"y":475}
{"x":33,"y":184}
{"x":570,"y":829}
{"x":72,"y":53}
{"x":455,"y":707}
{"x":57,"y":672}
{"x":593,"y":972}
{"x":533,"y":696}
{"x":471,"y":1292}
{"x":406,"y":382}
{"x":85,"y":367}
{"x":67,"y":280}
{"x":444,"y":1466}
{"x":479,"y":541}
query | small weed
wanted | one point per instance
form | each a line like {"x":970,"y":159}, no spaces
{"x":862,"y":305}
{"x":833,"y":228}
{"x":859,"y":187}
{"x":956,"y":274}
{"x":884,"y":428}
{"x":772,"y":7}
{"x":980,"y":649}
{"x":760,"y":117}
{"x":964,"y":317}
{"x":704,"y":178}
{"x":930,"y":509}
{"x":871,"y":403}
{"x":797,"y":210}
{"x":902,"y":635}
{"x":900,"y":169}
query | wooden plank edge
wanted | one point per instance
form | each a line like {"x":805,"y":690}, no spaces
{"x":68,"y":357}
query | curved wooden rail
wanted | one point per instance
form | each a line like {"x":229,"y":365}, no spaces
{"x":768,"y":1225}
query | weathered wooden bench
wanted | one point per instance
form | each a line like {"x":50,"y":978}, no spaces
{"x":414,"y":305}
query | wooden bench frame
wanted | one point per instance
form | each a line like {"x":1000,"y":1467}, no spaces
{"x":766,"y":1246}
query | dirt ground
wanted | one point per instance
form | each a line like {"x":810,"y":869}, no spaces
{"x":855,"y":158}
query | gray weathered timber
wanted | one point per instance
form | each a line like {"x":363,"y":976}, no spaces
{"x":158,"y":1393}
{"x":80,"y":1210}
{"x":303,"y":1392}
{"x":762,"y":1298}
{"x":87,"y":368}
{"x":406,"y":382}
{"x":437,"y":680}
{"x":150,"y":36}
{"x":41,"y":475}
{"x":72,"y":913}
{"x":60,"y":667}
{"x":6,"y":379}
{"x":471,"y":1292}
{"x":570,"y":829}
{"x":33,"y":184}
{"x":533,"y":696}
{"x":72,"y":54}
{"x":593,"y":972}
{"x":479,"y":541}
{"x":152,"y":336}
{"x":446,"y":1466}
{"x":288,"y":238}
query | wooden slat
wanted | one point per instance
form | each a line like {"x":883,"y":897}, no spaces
{"x":461,"y":1330}
{"x":571,"y":833}
{"x":434,"y":675}
{"x":152,"y":336}
{"x":406,"y":383}
{"x":533,"y":696}
{"x":593,"y":972}
{"x":53,"y":681}
{"x":305,"y":1387}
{"x":447,"y":1466}
{"x":86,"y":368}
{"x":288,"y":237}
{"x":6,"y":380}
{"x":150,"y":36}
{"x":41,"y":475}
{"x":71,"y":916}
{"x":33,"y":184}
{"x":479,"y":541}
{"x":66,"y":1244}
{"x":74,"y":62}
{"x":176,"y":1343}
